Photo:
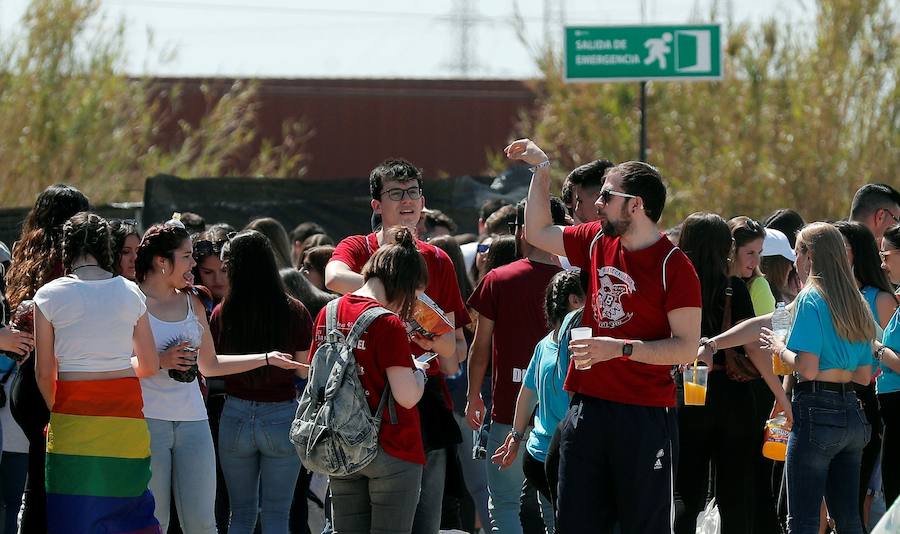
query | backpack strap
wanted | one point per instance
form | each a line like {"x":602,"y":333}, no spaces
{"x":331,"y":331}
{"x":359,"y":327}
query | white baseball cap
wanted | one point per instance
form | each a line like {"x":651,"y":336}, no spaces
{"x":777,"y":244}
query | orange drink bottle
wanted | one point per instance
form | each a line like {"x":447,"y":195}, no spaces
{"x":776,"y":438}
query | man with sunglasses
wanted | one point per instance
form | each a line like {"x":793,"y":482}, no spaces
{"x":877,"y":206}
{"x":619,"y":439}
{"x":396,"y":189}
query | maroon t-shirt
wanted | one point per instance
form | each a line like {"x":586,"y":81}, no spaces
{"x":630,"y":294}
{"x":383,"y":345}
{"x":266,"y":384}
{"x":443,"y":289}
{"x":513,"y":297}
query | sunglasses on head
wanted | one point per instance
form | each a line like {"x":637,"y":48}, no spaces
{"x":205,"y":247}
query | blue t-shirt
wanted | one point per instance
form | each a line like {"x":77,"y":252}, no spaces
{"x":889,"y":381}
{"x":545,"y":375}
{"x":813,"y":332}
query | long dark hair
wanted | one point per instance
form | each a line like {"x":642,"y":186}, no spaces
{"x":278,"y":237}
{"x":87,"y":233}
{"x":119,"y":230}
{"x":449,"y":245}
{"x":502,"y":252}
{"x":255,"y":312}
{"x":400,"y":267}
{"x":866,"y":261}
{"x":37,"y":255}
{"x":706,"y":239}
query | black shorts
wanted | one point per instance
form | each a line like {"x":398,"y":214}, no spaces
{"x":617,"y":467}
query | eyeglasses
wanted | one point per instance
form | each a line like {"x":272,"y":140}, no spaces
{"x":885,"y":253}
{"x":397,"y":194}
{"x":606,"y":194}
{"x":892,"y":216}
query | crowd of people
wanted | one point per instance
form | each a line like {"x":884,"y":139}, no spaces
{"x":154,"y":376}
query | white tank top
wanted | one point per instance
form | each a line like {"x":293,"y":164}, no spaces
{"x":165,"y":398}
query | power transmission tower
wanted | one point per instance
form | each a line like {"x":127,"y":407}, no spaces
{"x":463,"y":19}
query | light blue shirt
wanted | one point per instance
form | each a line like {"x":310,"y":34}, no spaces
{"x":889,"y":381}
{"x":813,"y":331}
{"x":545,"y":375}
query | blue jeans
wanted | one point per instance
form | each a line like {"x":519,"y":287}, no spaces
{"x":381,"y":498}
{"x":824,"y":455}
{"x":13,"y":469}
{"x":504,"y":487}
{"x":258,"y":460}
{"x":182,"y":460}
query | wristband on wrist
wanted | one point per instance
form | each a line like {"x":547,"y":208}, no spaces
{"x":516,"y":435}
{"x":542,"y":165}
{"x":267,"y":359}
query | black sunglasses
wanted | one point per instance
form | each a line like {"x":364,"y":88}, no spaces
{"x":205,"y":247}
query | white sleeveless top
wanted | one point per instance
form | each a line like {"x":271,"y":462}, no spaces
{"x":165,"y":398}
{"x":93,"y":321}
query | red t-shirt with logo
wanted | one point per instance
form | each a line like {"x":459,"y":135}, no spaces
{"x":513,"y":297}
{"x":383,"y":345}
{"x":630,"y":294}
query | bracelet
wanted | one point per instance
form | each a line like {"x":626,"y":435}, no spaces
{"x":267,"y":359}
{"x":542,"y":165}
{"x":707,"y":342}
{"x":879,"y":354}
{"x":516,"y":435}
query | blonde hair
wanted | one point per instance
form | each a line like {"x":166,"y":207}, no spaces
{"x":831,"y":275}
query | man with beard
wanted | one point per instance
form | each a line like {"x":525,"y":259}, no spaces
{"x":619,"y":439}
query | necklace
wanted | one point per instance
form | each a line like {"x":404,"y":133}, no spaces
{"x":83,"y":266}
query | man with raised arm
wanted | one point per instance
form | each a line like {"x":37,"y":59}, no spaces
{"x":619,"y":438}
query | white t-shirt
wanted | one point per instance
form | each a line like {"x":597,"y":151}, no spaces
{"x":14,"y":439}
{"x":93,"y":321}
{"x":165,"y":398}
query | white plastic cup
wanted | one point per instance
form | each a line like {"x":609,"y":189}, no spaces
{"x":582,"y":332}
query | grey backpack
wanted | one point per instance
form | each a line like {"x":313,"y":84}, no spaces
{"x":334,"y":431}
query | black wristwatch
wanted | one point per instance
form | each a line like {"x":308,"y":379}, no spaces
{"x":627,"y":349}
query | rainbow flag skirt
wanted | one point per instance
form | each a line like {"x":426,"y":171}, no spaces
{"x":98,"y":460}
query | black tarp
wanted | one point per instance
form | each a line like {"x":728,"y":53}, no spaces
{"x":342,"y":207}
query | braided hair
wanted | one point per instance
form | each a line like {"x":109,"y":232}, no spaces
{"x":87,"y":233}
{"x":556,"y":301}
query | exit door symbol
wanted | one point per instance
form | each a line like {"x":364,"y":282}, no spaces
{"x":693,"y":51}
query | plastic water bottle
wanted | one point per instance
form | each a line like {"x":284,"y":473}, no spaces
{"x":781,"y":323}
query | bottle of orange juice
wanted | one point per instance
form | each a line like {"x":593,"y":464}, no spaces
{"x":776,"y":438}
{"x":781,"y":324}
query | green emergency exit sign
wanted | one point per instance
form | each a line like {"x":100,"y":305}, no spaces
{"x":637,"y":53}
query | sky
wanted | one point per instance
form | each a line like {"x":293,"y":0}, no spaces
{"x":365,"y":39}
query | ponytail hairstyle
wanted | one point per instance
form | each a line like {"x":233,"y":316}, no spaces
{"x":401,"y":269}
{"x":159,"y":240}
{"x":87,"y":233}
{"x":556,"y":299}
{"x":831,"y":275}
{"x":37,"y":255}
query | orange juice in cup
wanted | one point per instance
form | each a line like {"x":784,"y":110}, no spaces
{"x":780,"y":367}
{"x":695,"y":382}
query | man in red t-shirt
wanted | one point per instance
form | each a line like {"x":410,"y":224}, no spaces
{"x":397,"y":197}
{"x":509,"y":301}
{"x":619,"y":439}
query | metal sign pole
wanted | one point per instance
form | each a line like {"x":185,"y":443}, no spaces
{"x":642,"y":155}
